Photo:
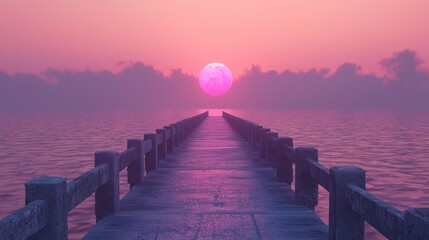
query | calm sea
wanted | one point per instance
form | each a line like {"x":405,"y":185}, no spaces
{"x":391,"y":146}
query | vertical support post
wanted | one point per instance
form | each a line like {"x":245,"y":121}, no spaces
{"x":252,"y":136}
{"x":343,"y":222}
{"x":249,"y":126}
{"x":182,"y":131}
{"x":177,"y":125}
{"x":162,"y":148}
{"x":107,"y":196}
{"x":185,"y":128}
{"x":306,"y":190}
{"x":245,"y":130}
{"x":270,"y":151}
{"x":135,"y":170}
{"x":262,"y":135}
{"x":175,"y":134}
{"x":54,"y":191}
{"x":170,"y":141}
{"x":255,"y":137}
{"x":151,"y":156}
{"x":285,"y":153}
{"x":193,"y":123}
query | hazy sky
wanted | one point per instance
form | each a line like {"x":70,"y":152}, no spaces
{"x":188,"y":34}
{"x":105,"y":54}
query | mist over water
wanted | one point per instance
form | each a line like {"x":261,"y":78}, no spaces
{"x":390,"y":146}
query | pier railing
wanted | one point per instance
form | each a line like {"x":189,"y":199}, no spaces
{"x":49,"y":199}
{"x":350,"y":205}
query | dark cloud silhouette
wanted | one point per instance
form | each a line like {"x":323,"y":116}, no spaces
{"x":137,"y":86}
{"x":402,"y":65}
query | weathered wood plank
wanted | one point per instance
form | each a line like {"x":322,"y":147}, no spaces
{"x":83,"y":186}
{"x":385,"y":218}
{"x":318,"y":172}
{"x":147,"y":146}
{"x":127,"y":157}
{"x":24,"y":222}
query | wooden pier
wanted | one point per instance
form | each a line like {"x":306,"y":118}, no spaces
{"x":212,"y":178}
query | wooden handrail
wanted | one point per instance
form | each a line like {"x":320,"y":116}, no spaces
{"x":147,"y":146}
{"x":127,"y":157}
{"x":25,"y":221}
{"x":382,"y":216}
{"x":318,"y":173}
{"x":86,"y":184}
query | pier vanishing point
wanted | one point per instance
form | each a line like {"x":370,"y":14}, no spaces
{"x":212,"y":178}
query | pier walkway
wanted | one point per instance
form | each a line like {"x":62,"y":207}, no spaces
{"x":214,"y":186}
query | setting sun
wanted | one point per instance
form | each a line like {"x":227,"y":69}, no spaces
{"x":215,"y":79}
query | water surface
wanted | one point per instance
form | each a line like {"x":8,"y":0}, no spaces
{"x":391,"y":146}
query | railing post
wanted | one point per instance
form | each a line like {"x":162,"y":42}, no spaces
{"x":284,"y":160}
{"x":239,"y":126}
{"x":182,"y":131}
{"x":179,"y":129}
{"x":417,"y":222}
{"x":162,"y":148}
{"x":306,"y":190}
{"x":135,"y":170}
{"x":170,"y":141}
{"x":177,"y":124}
{"x":54,"y":191}
{"x":175,"y":134}
{"x":255,"y":135}
{"x":343,"y":222}
{"x":185,"y":127}
{"x":270,"y":151}
{"x":249,"y":127}
{"x":151,"y":156}
{"x":107,"y":196}
{"x":243,"y":129}
{"x":250,"y":133}
{"x":262,"y":139}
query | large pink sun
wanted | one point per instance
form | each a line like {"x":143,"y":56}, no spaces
{"x":215,"y":79}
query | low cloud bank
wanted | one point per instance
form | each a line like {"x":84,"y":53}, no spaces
{"x":139,"y":86}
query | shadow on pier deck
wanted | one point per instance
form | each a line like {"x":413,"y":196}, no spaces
{"x":214,"y":186}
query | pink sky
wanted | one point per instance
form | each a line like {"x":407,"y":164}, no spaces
{"x":276,"y":34}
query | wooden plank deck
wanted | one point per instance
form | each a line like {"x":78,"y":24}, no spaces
{"x":214,"y":186}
